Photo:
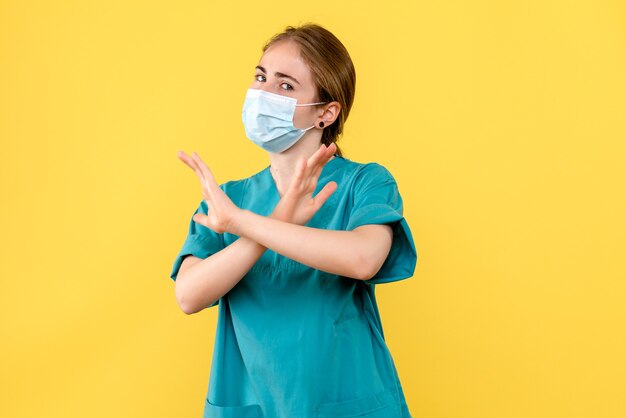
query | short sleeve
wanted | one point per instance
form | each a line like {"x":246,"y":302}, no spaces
{"x":200,"y":242}
{"x":377,"y":200}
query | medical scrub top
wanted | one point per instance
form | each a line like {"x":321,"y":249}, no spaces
{"x":293,"y":341}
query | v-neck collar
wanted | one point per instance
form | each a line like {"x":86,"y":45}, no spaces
{"x":326,"y":170}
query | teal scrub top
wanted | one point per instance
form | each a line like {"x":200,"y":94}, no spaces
{"x":294,"y":341}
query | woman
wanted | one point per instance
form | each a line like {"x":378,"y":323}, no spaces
{"x":292,"y":253}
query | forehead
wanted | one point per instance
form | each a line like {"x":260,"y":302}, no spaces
{"x":285,"y":57}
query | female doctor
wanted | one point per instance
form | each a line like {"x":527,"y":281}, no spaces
{"x":291,"y":254}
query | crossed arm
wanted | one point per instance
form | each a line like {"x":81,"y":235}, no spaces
{"x":358,"y":254}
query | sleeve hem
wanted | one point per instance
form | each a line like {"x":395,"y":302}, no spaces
{"x":197,"y":245}
{"x":374,"y":214}
{"x":402,"y":259}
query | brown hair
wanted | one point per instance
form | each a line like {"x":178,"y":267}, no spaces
{"x":332,"y":69}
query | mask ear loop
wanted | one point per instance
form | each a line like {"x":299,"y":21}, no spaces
{"x":310,"y":104}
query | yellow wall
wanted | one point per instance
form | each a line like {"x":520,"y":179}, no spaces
{"x":503,"y":123}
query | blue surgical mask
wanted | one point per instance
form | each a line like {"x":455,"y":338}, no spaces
{"x":268,"y":120}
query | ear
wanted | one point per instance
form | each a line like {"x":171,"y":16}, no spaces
{"x":331,"y":112}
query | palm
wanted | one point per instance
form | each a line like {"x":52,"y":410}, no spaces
{"x":298,"y":204}
{"x":221,"y":209}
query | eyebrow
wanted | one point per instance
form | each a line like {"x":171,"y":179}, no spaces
{"x":278,"y":74}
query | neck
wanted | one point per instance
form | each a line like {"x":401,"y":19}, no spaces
{"x":283,"y":165}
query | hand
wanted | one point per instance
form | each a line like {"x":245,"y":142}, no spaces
{"x":297,"y":205}
{"x":222,"y":210}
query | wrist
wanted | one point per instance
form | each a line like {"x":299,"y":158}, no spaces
{"x":237,"y":222}
{"x":277,"y":216}
{"x":279,"y":213}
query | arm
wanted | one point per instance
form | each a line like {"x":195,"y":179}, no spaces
{"x":358,"y":253}
{"x":201,"y":282}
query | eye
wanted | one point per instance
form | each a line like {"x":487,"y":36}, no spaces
{"x":261,"y":78}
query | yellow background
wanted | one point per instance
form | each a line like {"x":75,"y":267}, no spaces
{"x":503,"y":123}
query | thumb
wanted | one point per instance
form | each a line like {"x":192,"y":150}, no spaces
{"x":324,"y":194}
{"x":200,"y":218}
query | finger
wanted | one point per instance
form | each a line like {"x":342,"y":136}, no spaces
{"x":187,"y":160}
{"x":204,"y":183}
{"x":330,"y":151}
{"x":208,"y":175}
{"x":317,"y":156}
{"x":203,"y":167}
{"x":192,"y":164}
{"x":323,"y":195}
{"x":201,"y":218}
{"x":315,"y":161}
{"x":327,"y":155}
{"x":301,"y":166}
